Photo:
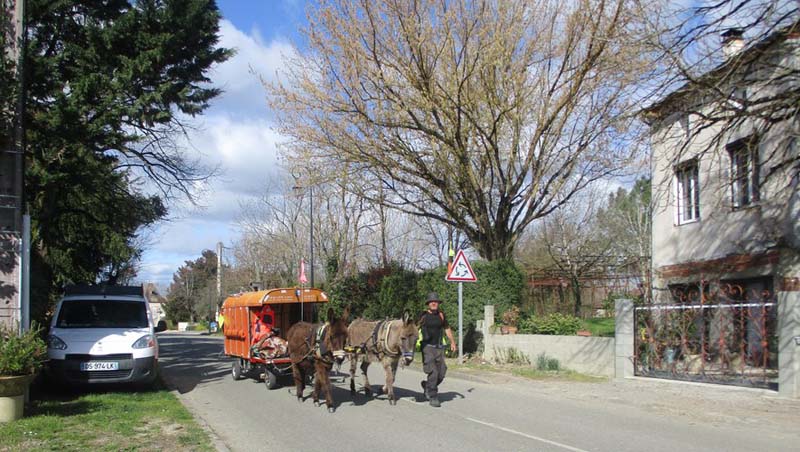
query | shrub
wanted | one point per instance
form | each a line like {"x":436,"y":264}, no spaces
{"x":545,"y":363}
{"x":398,"y":292}
{"x":21,"y":354}
{"x":511,"y":356}
{"x":350,"y":291}
{"x":511,"y":316}
{"x":554,"y":324}
{"x":500,"y":283}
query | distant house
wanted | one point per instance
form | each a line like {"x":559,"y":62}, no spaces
{"x":726,"y":215}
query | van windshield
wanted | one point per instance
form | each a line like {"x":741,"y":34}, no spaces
{"x":102,"y":314}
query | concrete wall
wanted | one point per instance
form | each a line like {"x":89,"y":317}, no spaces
{"x":588,"y":355}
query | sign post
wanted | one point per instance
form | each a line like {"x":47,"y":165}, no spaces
{"x":460,"y":272}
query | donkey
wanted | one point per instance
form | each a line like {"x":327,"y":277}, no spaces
{"x":317,"y":346}
{"x":385,"y":341}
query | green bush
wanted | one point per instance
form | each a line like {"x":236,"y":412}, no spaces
{"x":500,"y":283}
{"x":21,"y":354}
{"x":360,"y":292}
{"x":398,"y":292}
{"x":553,"y":324}
{"x":545,"y":363}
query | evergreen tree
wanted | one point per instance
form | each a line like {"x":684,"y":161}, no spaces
{"x":109,"y":87}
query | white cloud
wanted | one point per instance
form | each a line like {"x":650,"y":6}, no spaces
{"x":239,"y":76}
{"x":234,"y":134}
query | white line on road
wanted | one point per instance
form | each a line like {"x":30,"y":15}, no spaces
{"x":508,"y":430}
{"x":536,"y":438}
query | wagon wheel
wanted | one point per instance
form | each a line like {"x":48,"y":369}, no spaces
{"x":270,"y":379}
{"x":236,"y":369}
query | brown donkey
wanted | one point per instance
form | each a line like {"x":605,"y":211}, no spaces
{"x":317,"y":346}
{"x":386,"y":341}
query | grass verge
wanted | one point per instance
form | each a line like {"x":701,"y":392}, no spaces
{"x":124,"y":419}
{"x":525,"y":371}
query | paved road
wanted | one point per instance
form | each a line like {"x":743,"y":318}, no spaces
{"x":509,"y":414}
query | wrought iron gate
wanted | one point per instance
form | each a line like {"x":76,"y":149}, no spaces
{"x":723,"y":342}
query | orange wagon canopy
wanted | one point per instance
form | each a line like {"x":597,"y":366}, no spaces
{"x":275,"y":296}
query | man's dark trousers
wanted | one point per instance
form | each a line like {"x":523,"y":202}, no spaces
{"x":435,"y":367}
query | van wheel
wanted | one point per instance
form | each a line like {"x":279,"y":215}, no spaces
{"x":271,"y":380}
{"x":236,"y":369}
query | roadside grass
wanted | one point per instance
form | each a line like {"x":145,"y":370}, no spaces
{"x":525,"y":371}
{"x":128,"y":420}
{"x":600,"y":326}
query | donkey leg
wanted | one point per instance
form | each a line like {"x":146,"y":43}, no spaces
{"x":353,"y":362}
{"x":299,"y":386}
{"x":364,"y":367}
{"x":389,"y":368}
{"x":317,"y":384}
{"x":326,"y":385}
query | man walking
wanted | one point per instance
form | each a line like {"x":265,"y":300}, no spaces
{"x":432,"y":324}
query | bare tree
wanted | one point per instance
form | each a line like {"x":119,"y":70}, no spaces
{"x":481,"y":115}
{"x":575,"y":243}
{"x":730,"y":68}
{"x":273,"y":236}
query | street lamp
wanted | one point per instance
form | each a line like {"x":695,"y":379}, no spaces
{"x":297,"y":188}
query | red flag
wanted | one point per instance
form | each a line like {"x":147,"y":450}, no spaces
{"x":302,"y":278}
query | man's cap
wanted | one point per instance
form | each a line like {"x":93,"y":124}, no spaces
{"x":433,"y":296}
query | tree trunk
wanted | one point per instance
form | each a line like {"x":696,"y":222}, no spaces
{"x":576,"y":289}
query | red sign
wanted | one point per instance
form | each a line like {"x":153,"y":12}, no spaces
{"x":461,"y":271}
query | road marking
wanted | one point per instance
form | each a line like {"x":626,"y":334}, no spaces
{"x":504,"y":429}
{"x":536,"y":438}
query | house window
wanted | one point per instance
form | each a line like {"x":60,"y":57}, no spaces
{"x":744,"y":172}
{"x":687,"y":192}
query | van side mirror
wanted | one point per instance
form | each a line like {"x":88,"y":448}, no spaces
{"x":161,"y":326}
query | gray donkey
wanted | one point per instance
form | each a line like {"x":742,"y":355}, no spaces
{"x":386,"y":341}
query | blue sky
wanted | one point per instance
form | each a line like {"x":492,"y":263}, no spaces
{"x":235,"y":134}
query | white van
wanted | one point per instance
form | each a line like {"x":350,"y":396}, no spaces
{"x":103,"y":334}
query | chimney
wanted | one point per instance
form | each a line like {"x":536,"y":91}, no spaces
{"x":732,"y":42}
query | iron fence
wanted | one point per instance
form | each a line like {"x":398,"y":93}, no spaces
{"x":727,"y":341}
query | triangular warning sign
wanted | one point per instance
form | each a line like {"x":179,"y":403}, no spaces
{"x":461,"y":271}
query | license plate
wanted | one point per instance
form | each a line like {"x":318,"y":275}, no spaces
{"x":99,"y":365}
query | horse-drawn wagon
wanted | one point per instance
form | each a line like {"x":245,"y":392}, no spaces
{"x":248,"y":315}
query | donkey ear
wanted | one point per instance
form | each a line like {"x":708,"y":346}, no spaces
{"x":407,"y":317}
{"x":331,"y":315}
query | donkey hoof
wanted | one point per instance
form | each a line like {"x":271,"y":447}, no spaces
{"x":300,"y":399}
{"x":331,"y":409}
{"x":316,"y":403}
{"x":392,"y":402}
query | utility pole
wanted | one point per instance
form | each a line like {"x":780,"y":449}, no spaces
{"x":219,"y":271}
{"x":13,"y":308}
{"x":311,"y":229}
